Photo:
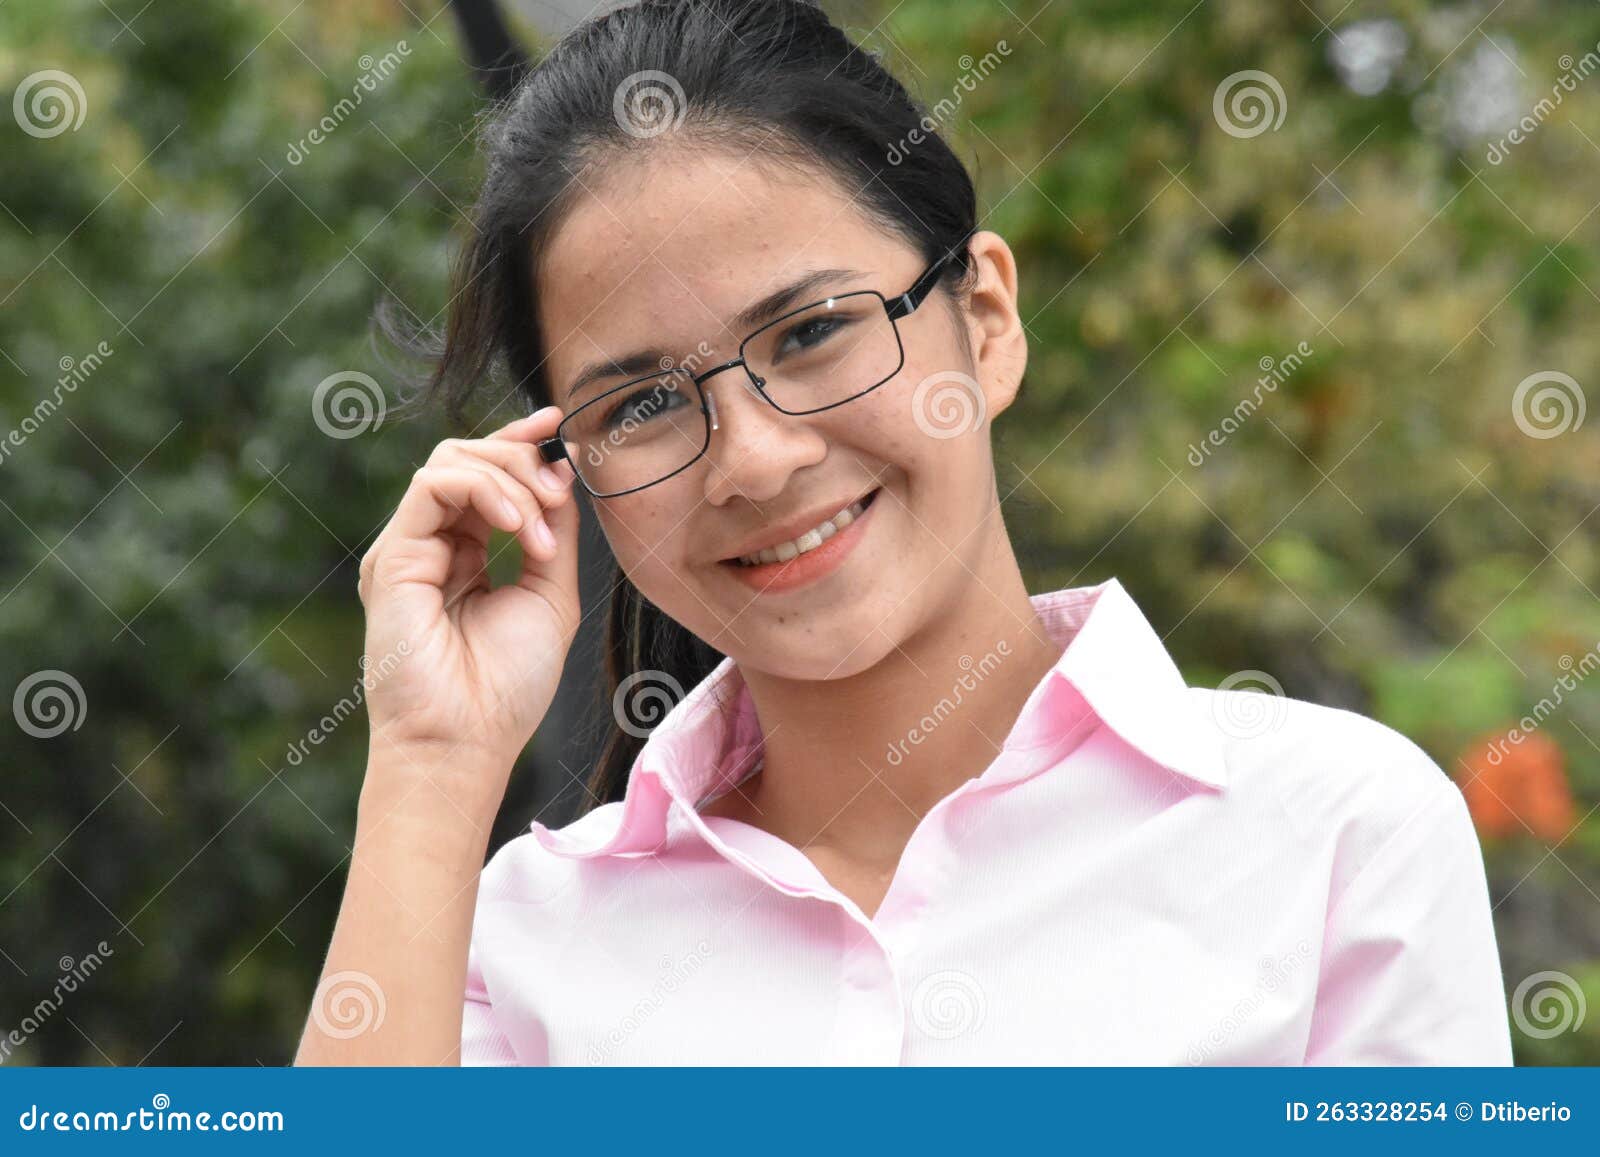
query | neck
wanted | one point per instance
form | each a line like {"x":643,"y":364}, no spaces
{"x":854,"y":763}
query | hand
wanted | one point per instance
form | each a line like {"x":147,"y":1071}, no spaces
{"x":459,"y":673}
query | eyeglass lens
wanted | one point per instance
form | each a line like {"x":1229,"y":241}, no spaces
{"x":818,"y":357}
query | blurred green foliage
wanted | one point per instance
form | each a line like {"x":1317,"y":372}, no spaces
{"x":181,"y":536}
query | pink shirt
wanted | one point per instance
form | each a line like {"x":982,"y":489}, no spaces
{"x":1147,"y":873}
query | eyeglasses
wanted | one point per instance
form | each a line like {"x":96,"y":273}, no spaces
{"x":808,"y":360}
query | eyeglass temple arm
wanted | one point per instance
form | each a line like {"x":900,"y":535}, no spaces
{"x":552,"y":450}
{"x":911,"y":298}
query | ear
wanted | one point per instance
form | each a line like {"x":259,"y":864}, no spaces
{"x":999,"y":344}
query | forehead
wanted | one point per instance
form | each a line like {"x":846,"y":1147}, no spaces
{"x":663,"y":251}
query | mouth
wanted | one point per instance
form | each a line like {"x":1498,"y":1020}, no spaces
{"x":809,"y":540}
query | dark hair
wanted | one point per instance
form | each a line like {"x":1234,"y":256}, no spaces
{"x":771,"y":76}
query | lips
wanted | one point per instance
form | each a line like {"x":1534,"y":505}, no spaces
{"x":783,"y":536}
{"x":789,"y":579}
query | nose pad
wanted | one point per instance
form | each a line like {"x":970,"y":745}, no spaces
{"x":755,"y":388}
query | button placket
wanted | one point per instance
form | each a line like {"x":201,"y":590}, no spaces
{"x":869,"y":1023}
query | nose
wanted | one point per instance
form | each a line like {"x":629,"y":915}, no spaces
{"x":754,"y":446}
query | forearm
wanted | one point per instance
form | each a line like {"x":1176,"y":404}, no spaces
{"x":392,"y":987}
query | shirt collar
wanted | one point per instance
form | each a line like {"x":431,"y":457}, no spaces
{"x":1113,"y":664}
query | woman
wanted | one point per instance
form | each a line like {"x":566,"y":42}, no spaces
{"x":907,"y":813}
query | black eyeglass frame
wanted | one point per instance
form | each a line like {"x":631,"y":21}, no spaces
{"x":554,"y":449}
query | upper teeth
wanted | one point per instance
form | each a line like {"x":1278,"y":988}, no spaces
{"x":810,"y":540}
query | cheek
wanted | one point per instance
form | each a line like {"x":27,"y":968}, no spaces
{"x":645,"y":535}
{"x":894,"y":428}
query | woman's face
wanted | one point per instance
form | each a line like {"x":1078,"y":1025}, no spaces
{"x":660,"y":257}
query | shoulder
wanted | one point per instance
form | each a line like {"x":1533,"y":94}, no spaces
{"x":1326,"y":771}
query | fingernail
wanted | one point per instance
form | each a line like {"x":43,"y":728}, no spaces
{"x":511,"y":510}
{"x":542,"y":533}
{"x":550,"y":478}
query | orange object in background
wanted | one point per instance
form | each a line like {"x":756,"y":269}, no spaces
{"x":1516,"y":782}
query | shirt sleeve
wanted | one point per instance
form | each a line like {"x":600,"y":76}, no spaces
{"x":1410,"y":971}
{"x":482,"y":1040}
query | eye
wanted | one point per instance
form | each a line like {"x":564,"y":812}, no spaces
{"x":809,"y":334}
{"x":640,"y":406}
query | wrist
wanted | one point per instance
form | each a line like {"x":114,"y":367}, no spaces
{"x":447,"y":800}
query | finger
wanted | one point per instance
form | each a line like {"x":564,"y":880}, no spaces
{"x":468,"y":570}
{"x":541,"y":423}
{"x":562,"y":569}
{"x":440,"y":497}
{"x":536,"y":427}
{"x":520,"y":459}
{"x":443,"y":510}
{"x":534,"y":534}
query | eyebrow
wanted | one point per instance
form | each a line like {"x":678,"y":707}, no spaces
{"x":642,"y":362}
